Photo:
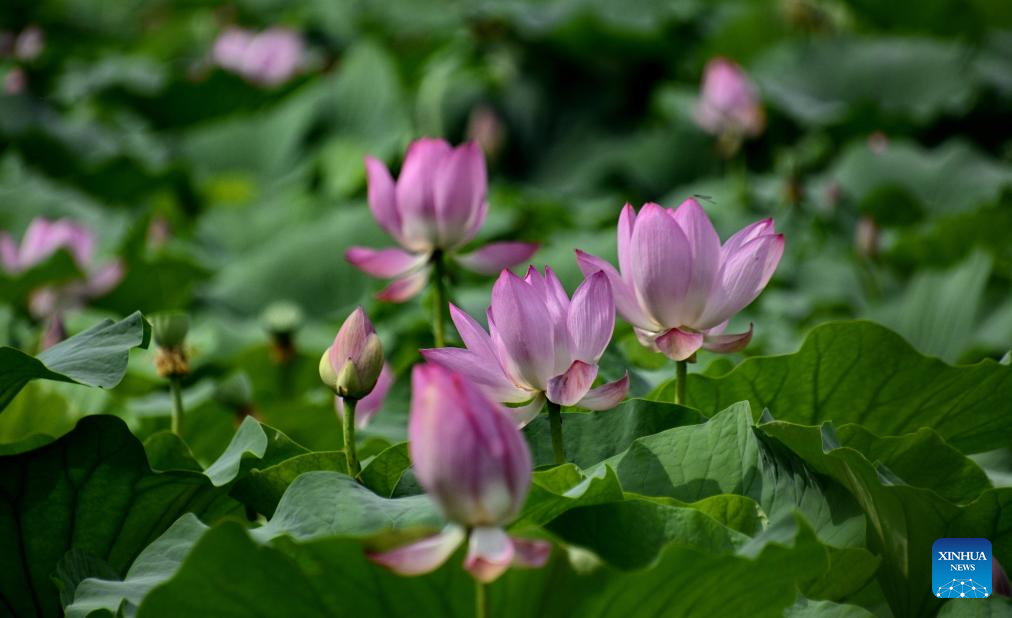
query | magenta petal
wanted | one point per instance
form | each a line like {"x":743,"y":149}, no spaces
{"x":351,"y":339}
{"x":43,"y":238}
{"x":384,"y":263}
{"x":493,"y":257}
{"x":678,"y":344}
{"x":489,"y":553}
{"x":382,"y":197}
{"x":743,"y":276}
{"x":35,"y":243}
{"x":422,"y":556}
{"x":522,"y":325}
{"x":459,"y":191}
{"x":415,"y":191}
{"x":570,"y":387}
{"x":8,"y":253}
{"x":530,"y":553}
{"x":626,"y":224}
{"x":468,"y":454}
{"x":484,"y":372}
{"x":591,"y":318}
{"x":555,"y":294}
{"x":272,"y":57}
{"x":230,"y":47}
{"x":745,"y":235}
{"x":606,"y":396}
{"x":726,"y":344}
{"x":104,"y":279}
{"x":729,"y":103}
{"x":662,"y":264}
{"x":625,"y":298}
{"x":705,"y":246}
{"x":405,"y":288}
{"x":473,"y":335}
{"x":526,"y":413}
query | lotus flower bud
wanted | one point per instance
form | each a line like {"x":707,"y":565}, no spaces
{"x":170,"y":329}
{"x":729,"y":104}
{"x":352,"y":364}
{"x":473,"y":461}
{"x":468,"y":454}
{"x":282,"y":319}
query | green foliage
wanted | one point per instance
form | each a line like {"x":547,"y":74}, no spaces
{"x":790,"y":483}
{"x":96,"y":357}
{"x":859,"y":372}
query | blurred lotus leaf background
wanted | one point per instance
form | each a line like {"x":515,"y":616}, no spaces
{"x":214,"y":152}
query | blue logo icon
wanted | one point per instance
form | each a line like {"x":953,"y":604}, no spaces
{"x":961,"y":568}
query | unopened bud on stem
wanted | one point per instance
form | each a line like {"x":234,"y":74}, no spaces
{"x":169,"y":330}
{"x":352,"y":364}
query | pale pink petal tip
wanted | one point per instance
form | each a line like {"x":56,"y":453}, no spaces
{"x":570,"y":387}
{"x":421,"y":556}
{"x":526,"y":413}
{"x":493,"y":257}
{"x":606,"y":396}
{"x":726,"y":344}
{"x":383,"y":263}
{"x":489,"y":553}
{"x":405,"y":288}
{"x":679,"y":345}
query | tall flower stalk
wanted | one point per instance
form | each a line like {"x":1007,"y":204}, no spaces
{"x":679,"y":286}
{"x":436,"y":206}
{"x":171,"y":359}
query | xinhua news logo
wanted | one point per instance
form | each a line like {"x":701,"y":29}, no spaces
{"x":961,"y":568}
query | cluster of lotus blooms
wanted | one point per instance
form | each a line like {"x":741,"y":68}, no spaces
{"x":676,"y":284}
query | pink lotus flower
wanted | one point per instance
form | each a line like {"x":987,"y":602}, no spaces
{"x":437,"y":204}
{"x":678,"y":286}
{"x":15,"y":81}
{"x":372,"y":403}
{"x":269,"y":58}
{"x":42,"y":239}
{"x":472,"y":460}
{"x":29,"y":43}
{"x":728,"y":104}
{"x":542,"y":345}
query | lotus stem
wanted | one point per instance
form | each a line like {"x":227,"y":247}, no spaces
{"x":555,"y":423}
{"x":350,"y":454}
{"x":176,"y":389}
{"x":681,"y":370}
{"x":439,"y":299}
{"x":480,"y":599}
